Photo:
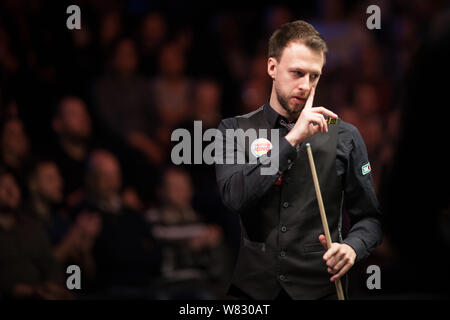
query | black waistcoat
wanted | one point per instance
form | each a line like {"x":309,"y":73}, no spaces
{"x":279,"y":238}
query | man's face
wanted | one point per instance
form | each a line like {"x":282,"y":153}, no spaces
{"x":14,"y":140}
{"x":49,"y":183}
{"x":297,"y":71}
{"x":171,"y":61}
{"x":126,"y":58}
{"x":178,"y":188}
{"x":9,"y":192}
{"x":75,"y":120}
{"x":107,"y":176}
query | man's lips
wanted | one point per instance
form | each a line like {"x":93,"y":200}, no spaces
{"x":298,"y":99}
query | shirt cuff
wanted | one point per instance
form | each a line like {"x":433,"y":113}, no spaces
{"x":357,"y":245}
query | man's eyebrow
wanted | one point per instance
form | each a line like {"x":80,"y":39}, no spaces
{"x":304,"y":71}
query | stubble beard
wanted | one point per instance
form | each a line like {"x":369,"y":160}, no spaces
{"x":293,"y":109}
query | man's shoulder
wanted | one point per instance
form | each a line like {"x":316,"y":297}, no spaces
{"x":232,"y":122}
{"x":346,"y":128}
{"x":349,"y":136}
{"x":251,"y":114}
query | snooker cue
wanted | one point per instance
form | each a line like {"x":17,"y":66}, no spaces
{"x":340,"y":292}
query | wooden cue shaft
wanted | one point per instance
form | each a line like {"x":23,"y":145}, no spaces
{"x":323,"y":216}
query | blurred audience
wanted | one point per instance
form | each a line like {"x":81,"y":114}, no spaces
{"x":71,"y":241}
{"x":124,"y":103}
{"x":73,"y":127}
{"x":15,"y":149}
{"x":206,"y":199}
{"x":153,"y":33}
{"x":124,"y":106}
{"x":207,"y":103}
{"x":195,"y":259}
{"x":27,"y":267}
{"x":110,"y":31}
{"x":172,"y":90}
{"x":45,"y":186}
{"x":127,"y":258}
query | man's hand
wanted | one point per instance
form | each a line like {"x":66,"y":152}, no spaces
{"x":339,"y":258}
{"x":309,"y":122}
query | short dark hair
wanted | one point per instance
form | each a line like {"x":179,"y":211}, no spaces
{"x":300,"y":31}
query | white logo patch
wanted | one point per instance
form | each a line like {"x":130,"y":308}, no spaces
{"x":260,"y":147}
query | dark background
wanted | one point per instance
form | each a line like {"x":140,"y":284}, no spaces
{"x":390,"y":83}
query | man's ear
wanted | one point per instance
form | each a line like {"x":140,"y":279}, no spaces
{"x":272,"y":64}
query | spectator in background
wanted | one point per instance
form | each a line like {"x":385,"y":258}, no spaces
{"x":8,"y":61}
{"x":45,"y":187}
{"x":275,"y":17}
{"x":123,"y":102}
{"x":257,"y":86}
{"x":370,"y":120}
{"x":195,"y":258}
{"x":71,"y":242}
{"x":345,"y":36}
{"x":27,"y":268}
{"x":404,"y":31}
{"x":207,"y":102}
{"x":230,"y":49}
{"x":207,"y":105}
{"x":124,"y":108}
{"x":126,"y":256}
{"x":172,"y":90}
{"x":110,"y":30}
{"x":73,"y":128}
{"x":15,"y":149}
{"x":153,"y":32}
{"x":372,"y":77}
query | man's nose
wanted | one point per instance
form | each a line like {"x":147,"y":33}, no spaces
{"x":304,"y":83}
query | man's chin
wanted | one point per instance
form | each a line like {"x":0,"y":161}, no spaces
{"x":296,"y":109}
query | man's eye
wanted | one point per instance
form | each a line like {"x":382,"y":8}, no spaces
{"x":314,"y":76}
{"x":298,"y":73}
